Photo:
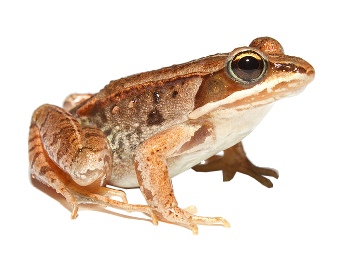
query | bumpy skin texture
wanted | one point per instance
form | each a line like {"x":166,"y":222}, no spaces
{"x":141,"y":130}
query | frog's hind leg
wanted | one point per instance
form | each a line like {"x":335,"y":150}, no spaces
{"x":64,"y":156}
{"x":235,"y":160}
{"x":45,"y":170}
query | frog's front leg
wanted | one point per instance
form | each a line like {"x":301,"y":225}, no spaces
{"x":152,"y":173}
{"x":235,"y":160}
{"x":74,"y":160}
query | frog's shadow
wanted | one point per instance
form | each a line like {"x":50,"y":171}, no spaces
{"x":199,"y":186}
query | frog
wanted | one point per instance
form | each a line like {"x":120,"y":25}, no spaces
{"x":142,"y":130}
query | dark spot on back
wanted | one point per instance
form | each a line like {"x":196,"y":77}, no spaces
{"x":175,"y":94}
{"x":154,"y":118}
{"x":156,"y":97}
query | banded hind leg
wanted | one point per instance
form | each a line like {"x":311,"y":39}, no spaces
{"x":76,"y":161}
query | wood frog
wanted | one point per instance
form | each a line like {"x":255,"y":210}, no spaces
{"x":142,"y":130}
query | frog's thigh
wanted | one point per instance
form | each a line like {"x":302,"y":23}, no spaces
{"x":75,"y":161}
{"x":83,"y":153}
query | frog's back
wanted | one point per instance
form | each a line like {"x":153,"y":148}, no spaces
{"x":134,"y":84}
{"x":200,"y":66}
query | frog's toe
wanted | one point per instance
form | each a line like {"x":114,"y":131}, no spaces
{"x":211,"y":221}
{"x":186,"y":218}
{"x":205,"y":220}
{"x":251,"y":171}
{"x":74,"y":214}
{"x":109,"y":192}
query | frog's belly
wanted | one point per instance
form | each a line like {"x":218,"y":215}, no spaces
{"x":230,"y":127}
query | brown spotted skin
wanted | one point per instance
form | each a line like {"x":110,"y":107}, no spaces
{"x":139,"y":116}
{"x":135,"y":131}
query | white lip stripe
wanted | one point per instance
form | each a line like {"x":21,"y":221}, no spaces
{"x":300,"y":80}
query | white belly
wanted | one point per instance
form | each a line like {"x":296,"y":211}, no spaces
{"x":230,"y":128}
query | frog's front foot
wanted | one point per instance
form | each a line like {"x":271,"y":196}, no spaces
{"x":186,"y":218}
{"x":233,"y":161}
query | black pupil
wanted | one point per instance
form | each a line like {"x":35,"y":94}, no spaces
{"x":248,"y":64}
{"x":247,"y":68}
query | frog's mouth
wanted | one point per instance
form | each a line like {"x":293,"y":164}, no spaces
{"x":264,"y":93}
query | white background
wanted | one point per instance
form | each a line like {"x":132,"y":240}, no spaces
{"x":49,"y":50}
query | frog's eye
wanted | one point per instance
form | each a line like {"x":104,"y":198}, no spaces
{"x":247,"y":67}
